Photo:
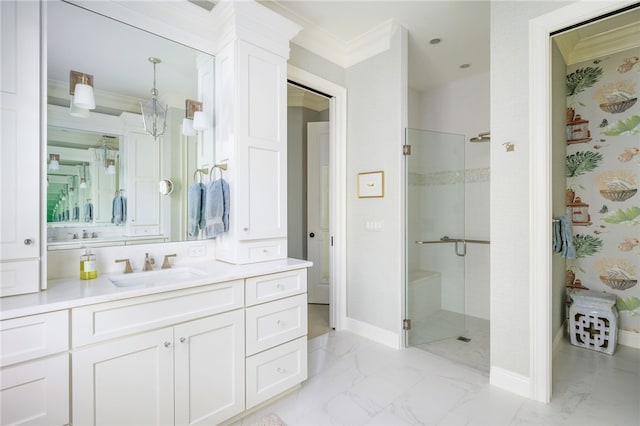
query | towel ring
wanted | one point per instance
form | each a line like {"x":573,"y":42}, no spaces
{"x":220,"y":167}
{"x":199,"y":173}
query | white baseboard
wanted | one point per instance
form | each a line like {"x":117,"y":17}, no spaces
{"x":628,"y":338}
{"x":510,"y":381}
{"x":371,"y":332}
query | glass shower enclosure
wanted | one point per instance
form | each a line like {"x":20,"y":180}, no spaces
{"x":435,"y":229}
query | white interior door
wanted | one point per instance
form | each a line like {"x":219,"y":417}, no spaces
{"x":318,"y":237}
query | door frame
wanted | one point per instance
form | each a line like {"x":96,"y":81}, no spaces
{"x":540,"y":332}
{"x":337,"y":189}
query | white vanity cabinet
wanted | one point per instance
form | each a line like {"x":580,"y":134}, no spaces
{"x":34,"y":373}
{"x":276,"y":334}
{"x":189,"y":372}
{"x":20,"y":147}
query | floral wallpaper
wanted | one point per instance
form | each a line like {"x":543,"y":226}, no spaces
{"x":603,"y":172}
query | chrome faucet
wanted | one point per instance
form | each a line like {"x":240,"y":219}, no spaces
{"x":165,"y":263}
{"x":148,"y":261}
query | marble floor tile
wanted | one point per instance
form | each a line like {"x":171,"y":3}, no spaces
{"x":441,"y":334}
{"x":359,"y":382}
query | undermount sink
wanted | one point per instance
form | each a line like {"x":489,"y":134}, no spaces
{"x":158,"y":277}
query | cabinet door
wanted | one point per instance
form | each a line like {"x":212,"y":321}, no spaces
{"x":19,"y":132}
{"x":262,"y":137}
{"x":36,"y":392}
{"x":125,"y":381}
{"x":141,"y":183}
{"x":209,"y":369}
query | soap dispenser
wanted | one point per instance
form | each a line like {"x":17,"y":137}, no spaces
{"x":88,"y":269}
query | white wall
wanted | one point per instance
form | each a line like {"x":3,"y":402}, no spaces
{"x":462,"y":107}
{"x":377,"y":97}
{"x":510,"y":287}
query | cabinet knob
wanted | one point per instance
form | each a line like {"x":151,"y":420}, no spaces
{"x":281,"y":370}
{"x":245,"y":229}
{"x":183,"y":339}
{"x":311,"y":234}
{"x":28,"y":242}
{"x":167,"y":344}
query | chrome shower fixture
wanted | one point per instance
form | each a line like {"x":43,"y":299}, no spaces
{"x":482,"y":137}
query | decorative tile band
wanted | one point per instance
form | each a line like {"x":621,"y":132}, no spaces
{"x":450,"y":177}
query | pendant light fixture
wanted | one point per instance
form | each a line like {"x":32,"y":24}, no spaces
{"x":109,"y":163}
{"x":154,"y":114}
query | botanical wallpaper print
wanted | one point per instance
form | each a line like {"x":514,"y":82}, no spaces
{"x":603,"y":173}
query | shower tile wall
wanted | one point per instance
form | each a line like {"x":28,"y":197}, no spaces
{"x":603,"y":154}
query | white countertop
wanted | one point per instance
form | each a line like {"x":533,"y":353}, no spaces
{"x":73,"y":292}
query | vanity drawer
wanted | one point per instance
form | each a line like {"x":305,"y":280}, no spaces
{"x":25,"y":338}
{"x":95,"y":323}
{"x":273,"y":323}
{"x":275,"y":286}
{"x":272,"y":372}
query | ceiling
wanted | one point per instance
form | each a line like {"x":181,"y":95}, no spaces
{"x":462,"y":26}
{"x":77,"y":40}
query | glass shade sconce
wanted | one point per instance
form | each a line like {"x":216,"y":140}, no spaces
{"x":54,"y":162}
{"x":82,"y":96}
{"x":110,"y":167}
{"x":194,"y":119}
{"x":154,"y":114}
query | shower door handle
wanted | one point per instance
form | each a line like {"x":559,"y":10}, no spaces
{"x":464,"y":248}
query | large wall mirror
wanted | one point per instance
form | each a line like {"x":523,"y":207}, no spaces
{"x":109,"y":181}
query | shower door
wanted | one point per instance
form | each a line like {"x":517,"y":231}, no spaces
{"x":435,"y":249}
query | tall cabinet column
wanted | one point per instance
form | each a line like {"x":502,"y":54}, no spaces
{"x":20,"y":147}
{"x":251,"y":131}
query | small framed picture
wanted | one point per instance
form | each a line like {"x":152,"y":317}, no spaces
{"x":371,"y":185}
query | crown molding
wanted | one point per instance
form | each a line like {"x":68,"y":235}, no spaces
{"x":575,"y":49}
{"x":607,"y":43}
{"x":371,"y":43}
{"x":254,"y":23}
{"x":300,"y":98}
{"x":345,"y":54}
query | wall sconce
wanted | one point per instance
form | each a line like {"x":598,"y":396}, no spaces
{"x":110,"y":167}
{"x":81,"y":91}
{"x":154,"y":114}
{"x":54,"y":162}
{"x":194,"y":119}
